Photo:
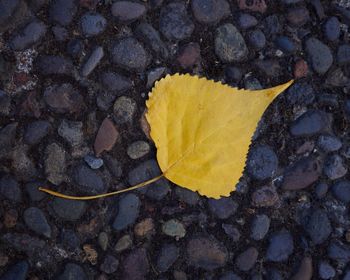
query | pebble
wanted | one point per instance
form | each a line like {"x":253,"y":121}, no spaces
{"x":280,"y":247}
{"x":301,"y":174}
{"x":265,"y":197}
{"x":5,"y":103}
{"x":337,"y":78}
{"x":332,"y":29}
{"x":300,"y":93}
{"x":22,"y":165}
{"x":112,"y":81}
{"x":260,"y":227}
{"x":272,"y":25}
{"x":343,"y":55}
{"x":305,"y":270}
{"x":28,"y":36}
{"x":129,"y":54}
{"x":63,"y":98}
{"x":10,"y":189}
{"x":189,"y":56}
{"x":319,"y":54}
{"x":298,"y":16}
{"x":106,"y":137}
{"x":123,"y":244}
{"x":310,"y":123}
{"x":60,"y":33}
{"x":335,"y":167}
{"x":270,"y":67}
{"x":92,"y":24}
{"x":301,"y":69}
{"x":230,"y":276}
{"x":138,"y":149}
{"x":233,"y":74}
{"x":114,"y":166}
{"x":174,"y":228}
{"x":103,"y":240}
{"x":321,"y":190}
{"x":231,"y":231}
{"x":128,"y":11}
{"x":154,"y":75}
{"x":210,"y":11}
{"x":75,"y":47}
{"x":17,"y":271}
{"x":145,"y":228}
{"x":329,"y":143}
{"x":257,"y":39}
{"x":167,"y":257}
{"x":73,"y":271}
{"x":124,"y":109}
{"x":206,"y":253}
{"x":36,"y":131}
{"x":62,"y":11}
{"x":262,"y":162}
{"x":36,"y":221}
{"x":222,"y":208}
{"x":10,"y":218}
{"x":7,"y":137}
{"x":318,"y":226}
{"x":93,"y":162}
{"x":9,"y":9}
{"x":229,"y":44}
{"x":68,"y":210}
{"x":246,"y":260}
{"x":33,"y":192}
{"x":88,"y":181}
{"x":128,"y":211}
{"x":285,"y":44}
{"x":338,"y":251}
{"x":55,"y":163}
{"x":325,"y":270}
{"x":72,"y":132}
{"x":93,"y":60}
{"x":187,"y":196}
{"x":109,"y":265}
{"x":136,"y":259}
{"x":254,"y":6}
{"x":246,"y":21}
{"x":341,"y":190}
{"x":54,"y":65}
{"x":174,"y":22}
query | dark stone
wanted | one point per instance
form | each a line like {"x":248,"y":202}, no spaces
{"x":310,"y":123}
{"x":321,"y":190}
{"x":300,"y":93}
{"x":135,"y":265}
{"x":272,"y":25}
{"x":23,"y":166}
{"x":246,"y":260}
{"x":187,"y":196}
{"x":246,"y":21}
{"x":210,"y":11}
{"x":27,"y":36}
{"x":265,"y":197}
{"x":60,"y":33}
{"x":229,"y":44}
{"x":231,"y":231}
{"x":25,"y":243}
{"x":92,"y":24}
{"x":301,"y":174}
{"x":7,"y":137}
{"x":305,"y":269}
{"x":110,"y":264}
{"x":17,"y":271}
{"x":223,"y":207}
{"x":93,"y":162}
{"x":75,"y":47}
{"x":115,"y":82}
{"x":343,"y":55}
{"x":72,"y":132}
{"x":50,"y":64}
{"x":62,"y":11}
{"x":206,"y":253}
{"x":5,"y":103}
{"x":72,"y":271}
{"x":341,"y":190}
{"x":69,"y":239}
{"x":334,"y":167}
{"x":88,"y":180}
{"x":7,"y":9}
{"x":36,"y":221}
{"x":338,"y":251}
{"x":233,"y":74}
{"x":319,"y":54}
{"x":329,"y":143}
{"x":128,"y":211}
{"x":318,"y":226}
{"x":114,"y":166}
{"x":68,"y":210}
{"x":270,"y":67}
{"x":189,"y":55}
{"x":325,"y":270}
{"x":36,"y":131}
{"x":10,"y":189}
{"x":262,"y":162}
{"x":145,"y":171}
{"x":285,"y":44}
{"x":128,"y":53}
{"x":174,"y":22}
{"x":257,"y":39}
{"x":92,"y":61}
{"x":33,"y":191}
{"x":230,"y":276}
{"x":280,"y":247}
{"x":337,"y":78}
{"x":167,"y":256}
{"x":128,"y":11}
{"x":155,"y":74}
{"x":274,"y":274}
{"x":63,"y":98}
{"x":332,"y":29}
{"x":298,"y":16}
{"x":260,"y":227}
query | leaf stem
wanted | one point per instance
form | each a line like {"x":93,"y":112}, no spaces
{"x":71,"y":197}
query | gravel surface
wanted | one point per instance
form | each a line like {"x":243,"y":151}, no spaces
{"x":74,"y":77}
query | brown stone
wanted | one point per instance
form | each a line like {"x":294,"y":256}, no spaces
{"x":305,"y":270}
{"x":265,"y":197}
{"x":144,"y":228}
{"x":90,"y":254}
{"x":106,"y":137}
{"x":300,"y":69}
{"x":145,"y":125}
{"x":253,"y":5}
{"x":189,"y":55}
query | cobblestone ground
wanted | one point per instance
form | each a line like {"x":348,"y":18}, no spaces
{"x":74,"y":77}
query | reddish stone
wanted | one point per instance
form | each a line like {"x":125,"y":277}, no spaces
{"x":21,"y":78}
{"x":106,"y":137}
{"x":253,"y":5}
{"x":300,"y":69}
{"x":189,"y":55}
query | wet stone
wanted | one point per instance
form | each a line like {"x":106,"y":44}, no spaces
{"x":262,"y":162}
{"x":10,"y":189}
{"x":325,"y":270}
{"x":129,"y":54}
{"x":68,"y":210}
{"x":128,"y":211}
{"x":18,"y":271}
{"x":110,"y":264}
{"x":29,"y":35}
{"x":115,"y":82}
{"x":174,"y":228}
{"x":62,"y":11}
{"x":167,"y":256}
{"x":319,"y":54}
{"x":329,"y":143}
{"x":35,"y":220}
{"x":341,"y":190}
{"x":210,"y":11}
{"x":135,"y":265}
{"x":73,"y":271}
{"x":310,"y":123}
{"x":55,"y":164}
{"x":106,"y":137}
{"x":36,"y":131}
{"x":124,"y":109}
{"x":92,"y":24}
{"x":138,"y":149}
{"x":298,"y":16}
{"x":338,"y":251}
{"x":92,"y":62}
{"x":128,"y":11}
{"x":88,"y":180}
{"x":260,"y":227}
{"x":222,"y":208}
{"x":246,"y":21}
{"x":318,"y":226}
{"x":206,"y":253}
{"x":332,"y":29}
{"x":305,"y":270}
{"x":229,"y":44}
{"x":265,"y":197}
{"x":335,"y":167}
{"x":72,"y":132}
{"x":57,"y":65}
{"x":280,"y":247}
{"x":246,"y":260}
{"x":257,"y":39}
{"x":93,"y":162}
{"x":174,"y":22}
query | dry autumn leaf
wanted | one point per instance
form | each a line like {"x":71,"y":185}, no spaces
{"x":202,"y":130}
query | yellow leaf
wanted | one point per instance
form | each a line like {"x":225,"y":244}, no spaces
{"x":202,"y":130}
